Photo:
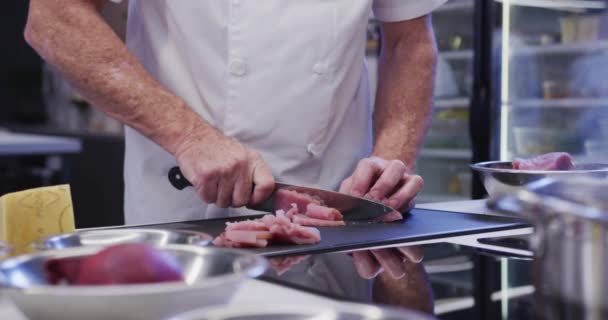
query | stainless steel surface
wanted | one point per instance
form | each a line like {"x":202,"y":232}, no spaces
{"x":211,"y":275}
{"x":570,"y":242}
{"x":276,"y":311}
{"x":353,"y":208}
{"x":104,"y":237}
{"x":499,"y":176}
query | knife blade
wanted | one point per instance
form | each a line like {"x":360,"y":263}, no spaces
{"x":352,"y":208}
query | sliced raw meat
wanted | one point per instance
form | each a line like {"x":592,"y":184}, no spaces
{"x":323,"y":213}
{"x":247,"y":237}
{"x":295,"y":234}
{"x":549,"y":161}
{"x":223,"y":241}
{"x":285,"y":198}
{"x":312,"y":222}
{"x":248,"y":225}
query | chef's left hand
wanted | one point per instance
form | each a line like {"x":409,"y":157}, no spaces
{"x":390,"y":183}
{"x":387,"y":181}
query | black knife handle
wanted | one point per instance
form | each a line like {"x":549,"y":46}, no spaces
{"x":177,"y":179}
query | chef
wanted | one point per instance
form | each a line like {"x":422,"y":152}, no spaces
{"x":240,"y":93}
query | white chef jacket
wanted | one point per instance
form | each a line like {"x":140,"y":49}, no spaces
{"x":284,"y":77}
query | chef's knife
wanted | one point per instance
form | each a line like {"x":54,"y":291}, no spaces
{"x":352,"y":208}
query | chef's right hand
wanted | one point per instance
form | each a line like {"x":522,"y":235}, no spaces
{"x":223,"y":171}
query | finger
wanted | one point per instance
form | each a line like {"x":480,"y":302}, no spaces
{"x":346,"y":186}
{"x":389,"y":180}
{"x":391,"y":262}
{"x":366,"y":264}
{"x":208,"y":189}
{"x":243,"y":188}
{"x":412,"y":253}
{"x":406,"y":194}
{"x":225,"y":189}
{"x":363,"y":176}
{"x":263,"y":182}
{"x":382,"y":163}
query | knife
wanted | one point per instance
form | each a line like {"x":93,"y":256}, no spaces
{"x":351,"y":207}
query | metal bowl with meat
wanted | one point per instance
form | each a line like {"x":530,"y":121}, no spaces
{"x":210,"y":277}
{"x":500,"y":177}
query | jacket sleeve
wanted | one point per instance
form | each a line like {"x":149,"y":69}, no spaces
{"x":401,"y":10}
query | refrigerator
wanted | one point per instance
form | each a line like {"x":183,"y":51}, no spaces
{"x":540,"y":80}
{"x":515,"y":78}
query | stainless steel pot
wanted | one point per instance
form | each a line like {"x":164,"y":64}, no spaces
{"x":570,"y":242}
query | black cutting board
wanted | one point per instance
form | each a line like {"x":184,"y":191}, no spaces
{"x":419,"y":225}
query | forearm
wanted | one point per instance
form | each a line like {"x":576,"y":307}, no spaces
{"x":404,"y":96}
{"x":72,"y":36}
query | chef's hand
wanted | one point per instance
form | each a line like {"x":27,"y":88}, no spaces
{"x":223,"y":171}
{"x":386,"y":181}
{"x":390,"y":183}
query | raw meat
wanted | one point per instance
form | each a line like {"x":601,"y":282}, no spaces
{"x":295,"y":233}
{"x":288,"y":225}
{"x":63,"y":269}
{"x":295,"y":217}
{"x":324,"y":213}
{"x":285,"y":198}
{"x":549,"y":161}
{"x":308,"y":221}
{"x":130,"y":263}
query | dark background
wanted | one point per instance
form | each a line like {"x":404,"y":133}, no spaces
{"x":95,"y":174}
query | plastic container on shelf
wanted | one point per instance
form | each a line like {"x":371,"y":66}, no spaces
{"x":441,"y":176}
{"x":449,"y":129}
{"x":579,"y":28}
{"x":534,"y":141}
{"x":597,"y":149}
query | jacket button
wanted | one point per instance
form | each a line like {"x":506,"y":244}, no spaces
{"x":237,"y":67}
{"x":312,"y":149}
{"x":319,"y":68}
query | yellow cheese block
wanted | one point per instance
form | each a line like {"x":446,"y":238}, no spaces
{"x":28,"y":215}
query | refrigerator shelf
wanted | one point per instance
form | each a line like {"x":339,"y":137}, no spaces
{"x":446,"y":103}
{"x":465,"y":54}
{"x":559,"y":103}
{"x":463,"y":154}
{"x":561,"y":48}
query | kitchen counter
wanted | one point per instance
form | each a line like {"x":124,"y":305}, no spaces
{"x":18,"y":144}
{"x":258,"y":291}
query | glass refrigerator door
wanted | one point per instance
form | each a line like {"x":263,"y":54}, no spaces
{"x":445,"y":157}
{"x":552,"y":58}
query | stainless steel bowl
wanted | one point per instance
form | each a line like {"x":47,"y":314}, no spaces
{"x":280,"y":311}
{"x":211,"y":275}
{"x":499,"y":177}
{"x":104,"y":237}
